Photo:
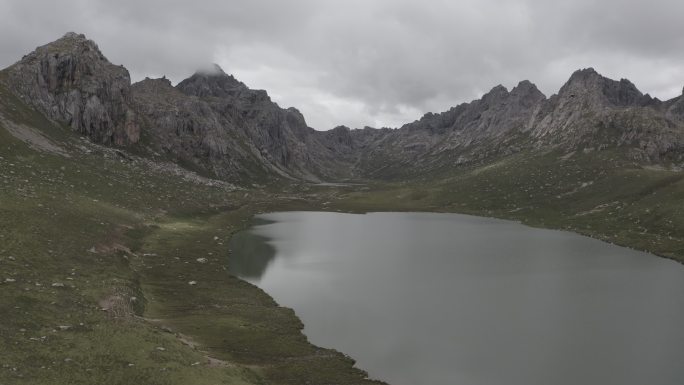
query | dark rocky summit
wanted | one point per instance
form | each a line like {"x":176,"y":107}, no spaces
{"x":71,"y":81}
{"x":281,"y":137}
{"x":591,"y":111}
{"x":189,"y":130}
{"x":215,"y":124}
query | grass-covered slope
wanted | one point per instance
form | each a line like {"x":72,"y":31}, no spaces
{"x":596,"y":193}
{"x":112,"y":271}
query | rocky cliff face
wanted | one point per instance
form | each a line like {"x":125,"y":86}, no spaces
{"x":591,"y":111}
{"x":464,"y":133}
{"x":71,"y":81}
{"x":212,"y":122}
{"x":192,"y":132}
{"x":674,"y":109}
{"x":281,"y":136}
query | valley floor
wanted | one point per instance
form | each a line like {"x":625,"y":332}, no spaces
{"x":113,"y":267}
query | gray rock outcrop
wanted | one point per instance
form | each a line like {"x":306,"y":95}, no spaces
{"x":71,"y":81}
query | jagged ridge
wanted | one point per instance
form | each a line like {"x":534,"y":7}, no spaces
{"x":213,"y":122}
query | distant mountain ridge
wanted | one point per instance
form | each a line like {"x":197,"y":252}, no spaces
{"x":214,"y":123}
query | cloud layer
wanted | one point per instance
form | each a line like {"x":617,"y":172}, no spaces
{"x":369,"y":62}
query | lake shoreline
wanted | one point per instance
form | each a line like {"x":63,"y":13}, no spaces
{"x":272,"y":216}
{"x":334,"y":199}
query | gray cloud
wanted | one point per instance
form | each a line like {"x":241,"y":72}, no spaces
{"x":361,"y":62}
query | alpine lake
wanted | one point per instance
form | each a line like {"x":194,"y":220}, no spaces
{"x":433,"y":299}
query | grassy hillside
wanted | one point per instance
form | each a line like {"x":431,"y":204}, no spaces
{"x":600,"y":194}
{"x":112,"y":270}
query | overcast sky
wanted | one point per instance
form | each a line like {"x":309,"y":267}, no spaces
{"x":369,"y":62}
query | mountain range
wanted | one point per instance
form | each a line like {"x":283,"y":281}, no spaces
{"x":214,"y":124}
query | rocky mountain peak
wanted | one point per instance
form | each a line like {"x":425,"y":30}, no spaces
{"x":584,"y":74}
{"x":211,"y":81}
{"x":71,"y":44}
{"x":581,"y":82}
{"x":71,"y":81}
{"x":154,"y":85}
{"x":73,"y":36}
{"x":527,"y":94}
{"x":496,"y":93}
{"x":74,"y":39}
{"x":211,"y":70}
{"x":524,"y":95}
{"x":338,"y":140}
{"x":587,"y":84}
{"x":340,"y":129}
{"x":525,"y":87}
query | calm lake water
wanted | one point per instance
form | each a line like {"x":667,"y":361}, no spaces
{"x":432,"y":299}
